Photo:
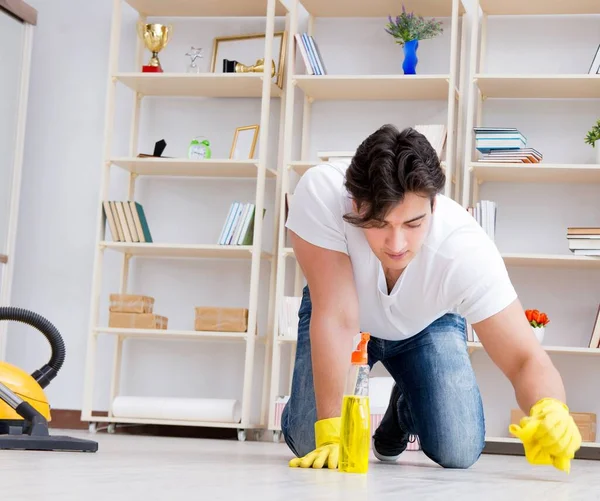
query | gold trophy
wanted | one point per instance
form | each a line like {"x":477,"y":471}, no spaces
{"x":259,"y":67}
{"x":155,"y":37}
{"x":237,"y":67}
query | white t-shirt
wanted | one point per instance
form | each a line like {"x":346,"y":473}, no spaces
{"x":458,"y":269}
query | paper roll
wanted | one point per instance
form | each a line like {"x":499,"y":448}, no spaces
{"x":178,"y":409}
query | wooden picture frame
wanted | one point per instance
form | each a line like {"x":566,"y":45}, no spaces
{"x":244,"y":142}
{"x":595,"y":66}
{"x":247,"y":49}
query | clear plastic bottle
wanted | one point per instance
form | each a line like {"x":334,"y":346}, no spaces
{"x":355,"y":433}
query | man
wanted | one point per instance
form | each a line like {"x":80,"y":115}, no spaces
{"x":384,"y":252}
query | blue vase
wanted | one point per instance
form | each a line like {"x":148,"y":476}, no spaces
{"x":410,"y":57}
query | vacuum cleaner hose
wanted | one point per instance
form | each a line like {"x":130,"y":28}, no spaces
{"x":48,"y":372}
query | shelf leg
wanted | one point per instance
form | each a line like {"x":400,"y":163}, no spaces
{"x":258,"y":220}
{"x":472,"y":91}
{"x":460,"y":145}
{"x":451,"y":125}
{"x":113,"y":66}
{"x":287,"y":120}
{"x":6,"y":279}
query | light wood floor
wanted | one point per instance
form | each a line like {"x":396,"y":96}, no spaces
{"x":135,"y":468}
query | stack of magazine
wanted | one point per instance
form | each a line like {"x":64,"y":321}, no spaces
{"x":504,"y":145}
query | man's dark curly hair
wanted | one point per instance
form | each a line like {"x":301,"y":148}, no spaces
{"x":386,"y":166}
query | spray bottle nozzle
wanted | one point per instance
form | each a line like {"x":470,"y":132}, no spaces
{"x":360,"y":355}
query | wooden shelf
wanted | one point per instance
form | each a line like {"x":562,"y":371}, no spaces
{"x":374,"y":87}
{"x":300,"y":166}
{"x":551,"y":260}
{"x":379,"y":8}
{"x":166,"y":334}
{"x":183,"y":250}
{"x":573,"y":350}
{"x":536,"y":173}
{"x":205,"y":8}
{"x":191,"y":168}
{"x":170,"y":422}
{"x":539,"y":86}
{"x":202,"y":85}
{"x":539,"y":7}
{"x":529,"y":260}
{"x":286,"y":339}
{"x":512,"y":446}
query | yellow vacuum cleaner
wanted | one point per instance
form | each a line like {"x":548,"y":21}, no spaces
{"x":24,"y":408}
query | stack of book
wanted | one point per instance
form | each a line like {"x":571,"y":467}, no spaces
{"x":504,"y":145}
{"x":239,"y":225}
{"x":310,"y":54}
{"x":584,"y":241}
{"x":127,"y":221}
{"x":484,"y":213}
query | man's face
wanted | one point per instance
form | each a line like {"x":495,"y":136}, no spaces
{"x":400,"y":238}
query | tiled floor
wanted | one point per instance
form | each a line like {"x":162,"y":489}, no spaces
{"x":135,"y":468}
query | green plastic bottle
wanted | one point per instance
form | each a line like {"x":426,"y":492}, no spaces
{"x":355,"y":433}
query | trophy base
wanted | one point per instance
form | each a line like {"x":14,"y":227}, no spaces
{"x":151,"y":69}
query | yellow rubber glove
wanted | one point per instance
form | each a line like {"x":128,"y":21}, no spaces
{"x":549,"y":434}
{"x":327,"y":438}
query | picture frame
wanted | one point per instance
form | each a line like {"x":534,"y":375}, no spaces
{"x":244,"y":142}
{"x":247,"y":49}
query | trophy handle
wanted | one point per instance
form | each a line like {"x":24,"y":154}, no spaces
{"x":168,"y":33}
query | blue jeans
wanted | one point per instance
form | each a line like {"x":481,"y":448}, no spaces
{"x":441,"y":402}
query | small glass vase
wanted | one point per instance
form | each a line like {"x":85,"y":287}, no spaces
{"x":409,"y":66}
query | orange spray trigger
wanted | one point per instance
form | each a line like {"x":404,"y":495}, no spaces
{"x":360,"y":355}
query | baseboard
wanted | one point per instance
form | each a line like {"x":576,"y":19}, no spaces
{"x":70,"y":419}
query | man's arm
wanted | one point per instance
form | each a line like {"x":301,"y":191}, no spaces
{"x":511,"y":344}
{"x":334,"y":320}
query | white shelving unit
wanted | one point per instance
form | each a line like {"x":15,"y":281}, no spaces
{"x":207,"y":85}
{"x":17,"y":25}
{"x":331,"y":87}
{"x":484,"y":86}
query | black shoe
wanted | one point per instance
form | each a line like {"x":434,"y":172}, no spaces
{"x":389,"y":440}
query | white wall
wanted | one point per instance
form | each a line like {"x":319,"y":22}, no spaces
{"x":61,"y":176}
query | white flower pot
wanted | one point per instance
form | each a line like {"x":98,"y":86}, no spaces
{"x":597,"y":148}
{"x":539,"y":333}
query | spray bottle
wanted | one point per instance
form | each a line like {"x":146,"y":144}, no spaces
{"x":355,"y":430}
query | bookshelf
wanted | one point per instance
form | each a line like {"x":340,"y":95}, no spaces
{"x":18,"y":22}
{"x":535,"y":173}
{"x":191,"y":168}
{"x":484,"y":86}
{"x":173,"y":334}
{"x":378,"y":87}
{"x":184,"y":250}
{"x":202,"y":85}
{"x":184,"y":86}
{"x":538,"y":86}
{"x":360,"y":87}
